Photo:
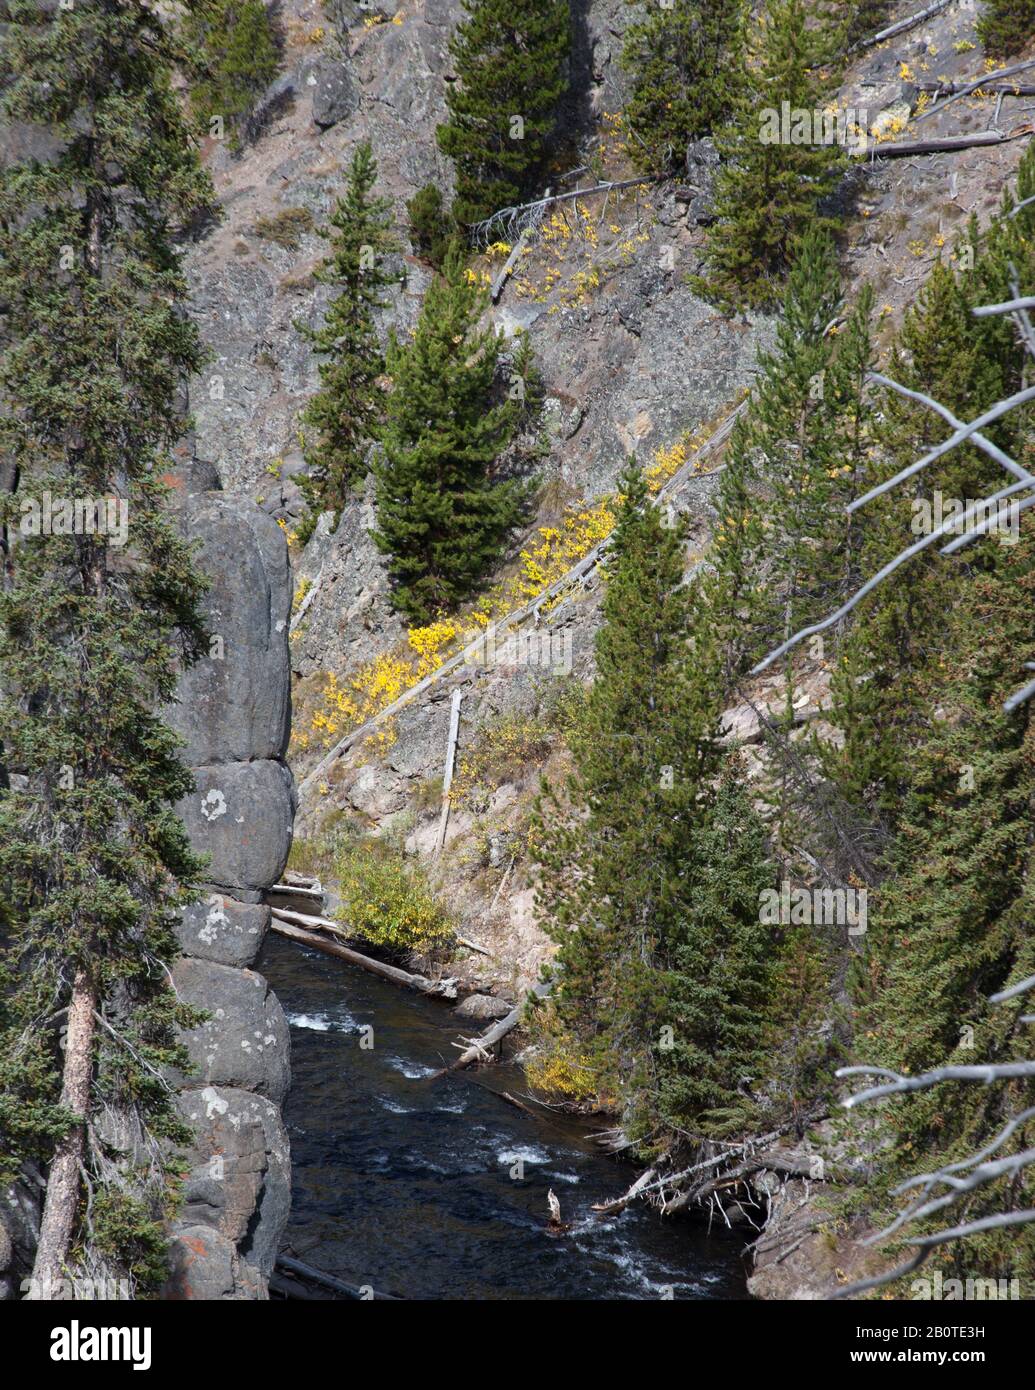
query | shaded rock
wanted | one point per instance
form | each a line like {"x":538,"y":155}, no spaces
{"x":702,"y":164}
{"x":245,"y":1043}
{"x":223,"y":930}
{"x":235,"y":702}
{"x":241,"y":814}
{"x":335,"y":91}
{"x":204,"y":1265}
{"x":239,"y":1178}
{"x":377,"y":793}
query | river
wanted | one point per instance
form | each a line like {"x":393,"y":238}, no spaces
{"x":437,"y":1189}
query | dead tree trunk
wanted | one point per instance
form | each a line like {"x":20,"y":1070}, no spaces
{"x":62,"y":1199}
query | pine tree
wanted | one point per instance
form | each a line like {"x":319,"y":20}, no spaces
{"x":230,"y":50}
{"x":1005,"y":26}
{"x":769,"y":189}
{"x":953,"y":919}
{"x":650,"y":878}
{"x":880,"y":684}
{"x":343,"y":414}
{"x":511,"y":59}
{"x":684,"y":64}
{"x":442,"y":520}
{"x":432,"y":231}
{"x":94,"y":345}
{"x":780,"y":541}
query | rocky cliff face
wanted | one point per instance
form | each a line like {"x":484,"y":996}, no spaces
{"x":234,"y":714}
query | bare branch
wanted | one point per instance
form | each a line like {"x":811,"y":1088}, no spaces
{"x":992,"y":450}
{"x":973,"y":87}
{"x":961,"y":435}
{"x":998,"y":1071}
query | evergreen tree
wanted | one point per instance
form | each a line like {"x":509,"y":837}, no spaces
{"x":781,"y":556}
{"x":924,"y":670}
{"x":880,"y":684}
{"x":650,"y":877}
{"x":94,"y":345}
{"x":953,"y":920}
{"x":684,"y":63}
{"x":432,"y":231}
{"x":773,"y":181}
{"x":867,"y":18}
{"x":230,"y":50}
{"x":442,"y":520}
{"x":511,"y":59}
{"x":343,"y":414}
{"x":1005,"y":26}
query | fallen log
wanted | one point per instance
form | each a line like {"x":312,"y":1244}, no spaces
{"x":1008,"y":89}
{"x":473,"y":946}
{"x":902,"y":25}
{"x":290,"y":1265}
{"x":311,"y":920}
{"x":477,"y":1049}
{"x":292,"y":890}
{"x":443,"y":989}
{"x":620,"y":1203}
{"x":900,"y":148}
{"x":501,"y":279}
{"x":980,"y":82}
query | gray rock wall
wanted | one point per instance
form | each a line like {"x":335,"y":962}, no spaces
{"x":234,"y":715}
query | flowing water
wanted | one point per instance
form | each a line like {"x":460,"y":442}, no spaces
{"x":437,"y":1189}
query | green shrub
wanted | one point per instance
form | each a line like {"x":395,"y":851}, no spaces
{"x":386,"y":898}
{"x":685,"y":64}
{"x":233,"y":58}
{"x":431,"y":228}
{"x":1006,"y":26}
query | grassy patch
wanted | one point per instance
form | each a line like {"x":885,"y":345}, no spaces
{"x":285,"y":228}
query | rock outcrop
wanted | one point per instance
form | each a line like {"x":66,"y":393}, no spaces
{"x":234,"y":715}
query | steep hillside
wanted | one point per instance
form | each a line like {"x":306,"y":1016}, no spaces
{"x":632,"y":362}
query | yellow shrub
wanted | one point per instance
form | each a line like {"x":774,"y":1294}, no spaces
{"x":561,"y":1073}
{"x":558,"y":548}
{"x":386,"y":899}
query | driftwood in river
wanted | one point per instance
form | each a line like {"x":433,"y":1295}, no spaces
{"x":478,"y":1049}
{"x":327,"y":941}
{"x":288,"y":1265}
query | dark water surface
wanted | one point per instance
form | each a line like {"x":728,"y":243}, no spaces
{"x":405,"y":1184}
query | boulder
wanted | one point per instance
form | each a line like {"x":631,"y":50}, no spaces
{"x":702,"y":164}
{"x":245,"y":1042}
{"x":205,"y":1265}
{"x":234,"y":704}
{"x":335,"y":91}
{"x":221,"y":929}
{"x":483,"y":1006}
{"x":239,"y":1170}
{"x":19,"y":1223}
{"x":241,"y":815}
